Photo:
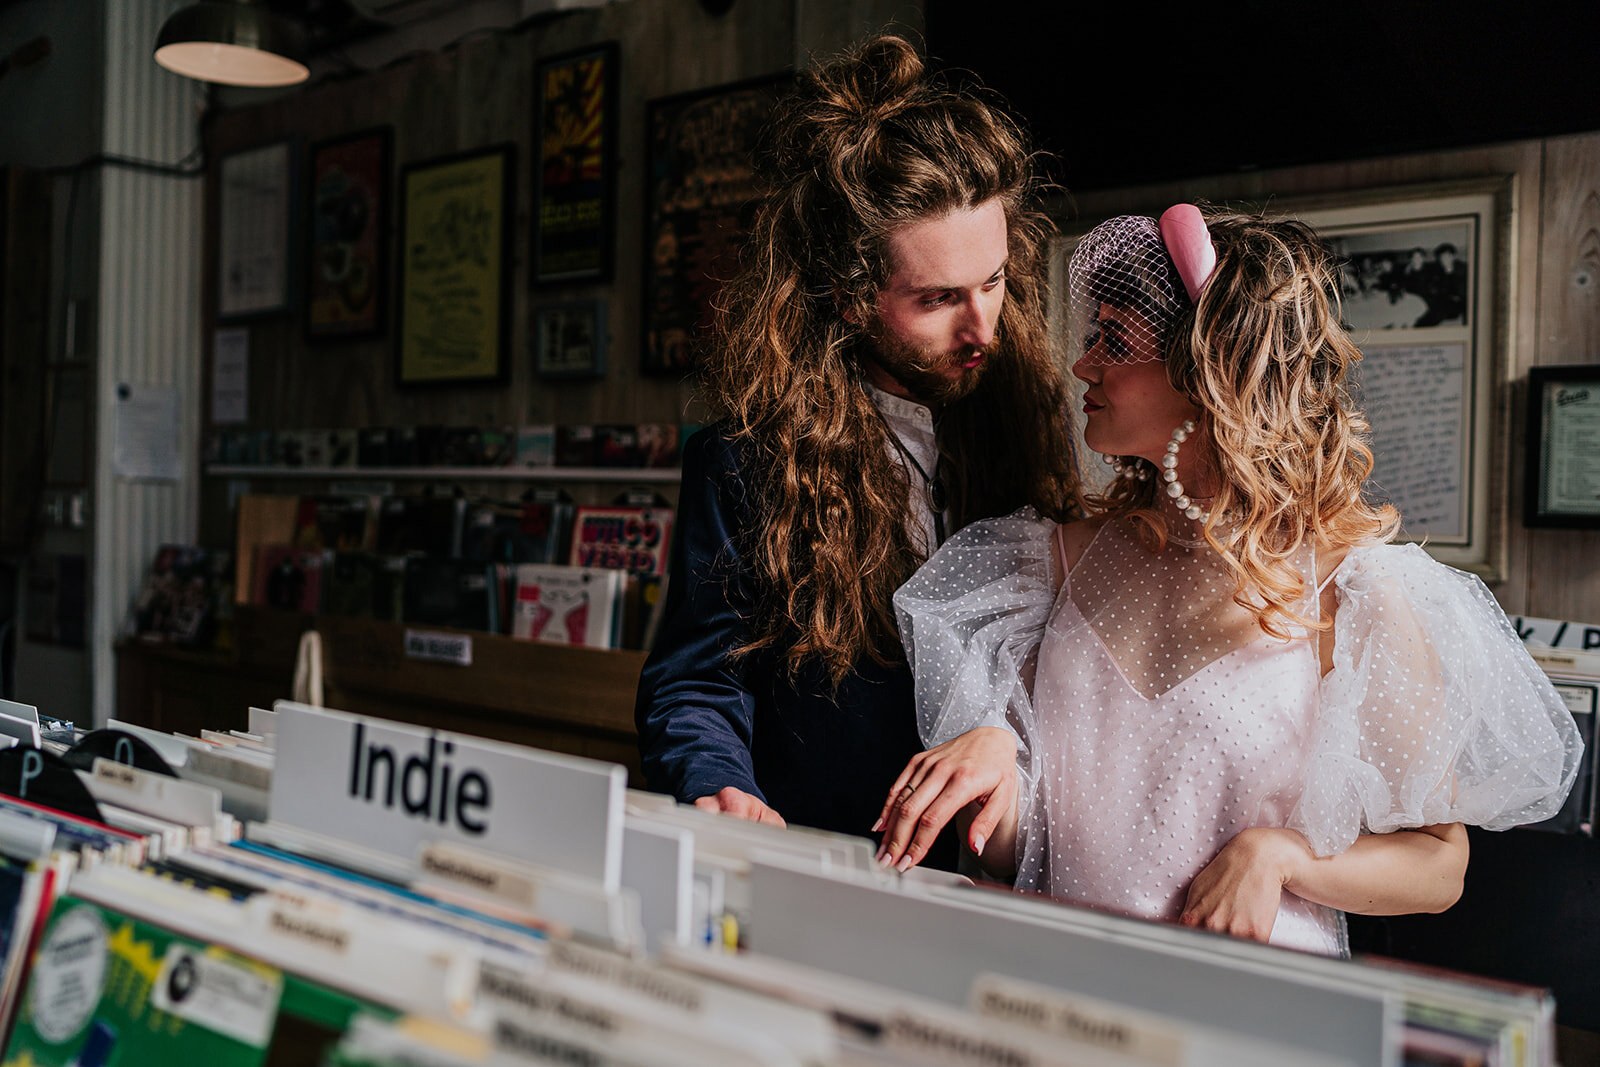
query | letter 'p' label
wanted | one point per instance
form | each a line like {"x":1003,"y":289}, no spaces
{"x":32,"y":765}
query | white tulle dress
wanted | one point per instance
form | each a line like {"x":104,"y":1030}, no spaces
{"x":1156,"y":720}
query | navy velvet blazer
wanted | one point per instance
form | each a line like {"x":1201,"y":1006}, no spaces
{"x":817,"y":757}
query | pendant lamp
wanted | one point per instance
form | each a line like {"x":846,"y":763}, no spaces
{"x":235,"y":42}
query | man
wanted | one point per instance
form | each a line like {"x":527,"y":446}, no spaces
{"x":882,"y":376}
{"x":1444,"y":288}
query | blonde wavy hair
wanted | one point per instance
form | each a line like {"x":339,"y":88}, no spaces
{"x":864,"y":146}
{"x":1265,"y":356}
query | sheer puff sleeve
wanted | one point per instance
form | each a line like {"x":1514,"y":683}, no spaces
{"x":972,"y":619}
{"x":1433,"y":711}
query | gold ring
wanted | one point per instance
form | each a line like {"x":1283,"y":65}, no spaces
{"x":905,"y":794}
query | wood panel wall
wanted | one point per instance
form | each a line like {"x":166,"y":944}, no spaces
{"x":1553,"y":303}
{"x":480,"y":92}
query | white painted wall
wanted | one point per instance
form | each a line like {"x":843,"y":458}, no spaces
{"x":149,"y":336}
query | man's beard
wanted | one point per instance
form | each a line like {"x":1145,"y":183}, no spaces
{"x":919,"y":369}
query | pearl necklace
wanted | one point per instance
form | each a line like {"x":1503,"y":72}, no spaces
{"x":1169,"y":473}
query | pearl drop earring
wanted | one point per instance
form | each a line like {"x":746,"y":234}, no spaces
{"x":1169,"y":474}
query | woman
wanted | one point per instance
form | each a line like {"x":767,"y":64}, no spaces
{"x":1234,"y":703}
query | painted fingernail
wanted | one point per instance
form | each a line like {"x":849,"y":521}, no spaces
{"x":883,"y":857}
{"x":877,"y":825}
{"x":977,"y":844}
{"x":905,"y":864}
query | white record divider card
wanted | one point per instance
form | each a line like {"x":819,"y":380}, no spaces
{"x":19,"y":721}
{"x":263,"y":722}
{"x":394,"y":788}
{"x":579,"y":904}
{"x":841,"y":921}
{"x":658,"y":864}
{"x":803,"y":1030}
{"x":186,"y":803}
{"x":24,"y":838}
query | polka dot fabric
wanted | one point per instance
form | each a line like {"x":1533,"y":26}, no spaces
{"x":1155,"y":720}
{"x":1433,"y":712}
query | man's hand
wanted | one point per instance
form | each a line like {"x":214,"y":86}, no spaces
{"x":1239,"y":891}
{"x":739,"y":804}
{"x":979,"y":766}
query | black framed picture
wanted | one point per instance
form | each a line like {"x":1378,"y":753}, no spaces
{"x":347,"y":266}
{"x":455,"y":268}
{"x":569,"y":340}
{"x":699,"y":198}
{"x":257,"y":211}
{"x":574,"y":174}
{"x":1562,"y":487}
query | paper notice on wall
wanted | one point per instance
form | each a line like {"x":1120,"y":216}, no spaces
{"x":1415,"y":396}
{"x":230,"y":375}
{"x":145,"y":443}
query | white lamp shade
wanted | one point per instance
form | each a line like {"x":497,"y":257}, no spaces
{"x":233,"y":42}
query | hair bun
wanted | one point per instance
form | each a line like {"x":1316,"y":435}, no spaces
{"x":886,"y":78}
{"x":846,"y":102}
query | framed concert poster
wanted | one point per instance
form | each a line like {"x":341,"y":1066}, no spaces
{"x":575,"y":116}
{"x":699,"y":195}
{"x":455,"y":268}
{"x":346,"y":258}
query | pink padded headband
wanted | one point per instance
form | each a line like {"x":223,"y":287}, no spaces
{"x":1183,"y":231}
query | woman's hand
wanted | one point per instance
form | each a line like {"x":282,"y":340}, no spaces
{"x":1397,"y":873}
{"x":978,"y":767}
{"x":1238,"y":892}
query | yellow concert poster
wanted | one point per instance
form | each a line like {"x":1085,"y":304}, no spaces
{"x":454,"y":269}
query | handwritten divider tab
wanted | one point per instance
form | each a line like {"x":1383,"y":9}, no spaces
{"x":392,"y":787}
{"x":1142,"y":1037}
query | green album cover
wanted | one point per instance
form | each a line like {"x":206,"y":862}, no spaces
{"x":108,"y":990}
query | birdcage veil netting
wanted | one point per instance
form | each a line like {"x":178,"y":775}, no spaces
{"x":1123,"y":263}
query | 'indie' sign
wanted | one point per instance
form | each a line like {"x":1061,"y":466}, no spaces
{"x":394,"y":788}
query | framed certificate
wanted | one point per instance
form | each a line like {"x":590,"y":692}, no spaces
{"x":1563,"y":482}
{"x":255,"y":216}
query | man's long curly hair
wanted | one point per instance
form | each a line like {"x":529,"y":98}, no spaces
{"x":1264,"y":355}
{"x":863,"y":147}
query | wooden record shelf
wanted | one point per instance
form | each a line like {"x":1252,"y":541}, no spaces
{"x":557,"y":697}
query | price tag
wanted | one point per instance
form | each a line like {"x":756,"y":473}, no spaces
{"x":480,"y":873}
{"x":435,"y":647}
{"x":208,"y":988}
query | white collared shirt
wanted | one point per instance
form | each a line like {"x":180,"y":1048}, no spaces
{"x":912,"y":423}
